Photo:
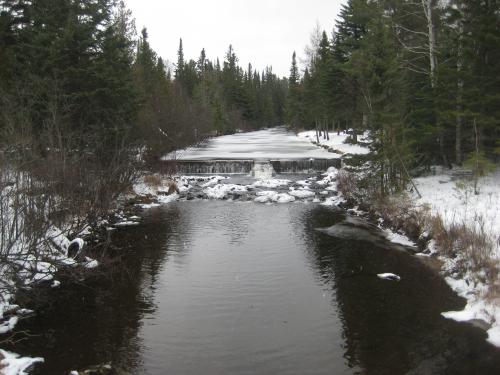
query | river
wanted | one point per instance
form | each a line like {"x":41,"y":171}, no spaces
{"x":216,"y":287}
{"x":237,"y":287}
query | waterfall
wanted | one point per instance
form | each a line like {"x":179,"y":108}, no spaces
{"x":262,"y":170}
{"x":257,"y":168}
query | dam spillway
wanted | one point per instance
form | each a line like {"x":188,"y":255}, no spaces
{"x":242,"y":153}
{"x":246,"y":166}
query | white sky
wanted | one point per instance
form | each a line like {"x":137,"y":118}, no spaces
{"x":263,"y":32}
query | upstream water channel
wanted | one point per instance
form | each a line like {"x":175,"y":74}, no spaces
{"x":231,"y":287}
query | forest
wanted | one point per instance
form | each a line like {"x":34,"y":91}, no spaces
{"x":90,"y":117}
{"x":422,"y":76}
{"x":85,"y":101}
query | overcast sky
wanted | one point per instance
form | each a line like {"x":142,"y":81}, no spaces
{"x":263,"y":32}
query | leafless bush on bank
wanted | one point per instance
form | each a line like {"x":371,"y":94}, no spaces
{"x":52,"y":175}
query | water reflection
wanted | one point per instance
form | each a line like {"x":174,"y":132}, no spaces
{"x":80,"y":325}
{"x":213,"y":287}
{"x":394,"y":327}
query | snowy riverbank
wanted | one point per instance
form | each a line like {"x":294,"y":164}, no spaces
{"x":449,"y":196}
{"x":455,"y":202}
{"x":443,"y":195}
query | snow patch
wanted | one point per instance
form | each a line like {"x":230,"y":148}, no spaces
{"x":388,"y":276}
{"x":220,"y":191}
{"x":273,"y":196}
{"x":398,"y":238}
{"x":271,"y":183}
{"x":301,"y":193}
{"x":337,"y":142}
{"x":14,"y":364}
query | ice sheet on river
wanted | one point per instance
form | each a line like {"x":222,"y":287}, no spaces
{"x":276,"y":143}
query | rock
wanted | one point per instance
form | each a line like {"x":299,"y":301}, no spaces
{"x":389,"y":276}
{"x":102,"y":369}
{"x":75,"y":247}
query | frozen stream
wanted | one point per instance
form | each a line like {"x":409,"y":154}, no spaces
{"x":275,"y":143}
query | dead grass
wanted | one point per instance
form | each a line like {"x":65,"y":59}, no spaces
{"x":470,"y":245}
{"x":153,"y":180}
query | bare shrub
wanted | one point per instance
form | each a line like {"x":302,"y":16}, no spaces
{"x":347,"y":184}
{"x":400,"y":213}
{"x":470,"y":245}
{"x":52,"y":175}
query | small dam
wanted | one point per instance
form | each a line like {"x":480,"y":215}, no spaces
{"x":248,"y":166}
{"x":269,"y":151}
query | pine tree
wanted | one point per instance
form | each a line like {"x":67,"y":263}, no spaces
{"x":179,"y":68}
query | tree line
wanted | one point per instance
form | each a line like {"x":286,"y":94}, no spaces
{"x":83,"y":97}
{"x":422,"y":76}
{"x":86,"y":103}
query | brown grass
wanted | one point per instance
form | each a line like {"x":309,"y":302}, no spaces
{"x":153,"y":180}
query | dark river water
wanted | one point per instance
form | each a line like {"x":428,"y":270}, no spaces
{"x":214,"y":287}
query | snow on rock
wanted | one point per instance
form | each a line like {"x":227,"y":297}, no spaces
{"x":24,"y":312}
{"x":301,"y":193}
{"x":57,"y":237}
{"x":388,"y":276}
{"x":14,"y":364}
{"x":273,"y":196}
{"x":212,"y":181}
{"x":398,"y":238}
{"x":55,"y":284}
{"x":333,"y":201}
{"x":144,"y":206}
{"x":271,"y":183}
{"x":305,"y":183}
{"x":75,"y":247}
{"x":164,"y":199}
{"x":337,"y":142}
{"x":35,"y":271}
{"x":8,"y":325}
{"x":91,"y":263}
{"x":221,"y":191}
{"x":126,"y":223}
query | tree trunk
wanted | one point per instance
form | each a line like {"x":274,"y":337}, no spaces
{"x":317,"y":133}
{"x":476,"y":166}
{"x":460,"y":89}
{"x":428,"y":6}
{"x":442,"y":150}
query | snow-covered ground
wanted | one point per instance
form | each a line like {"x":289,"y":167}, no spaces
{"x":455,"y":202}
{"x":337,"y":142}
